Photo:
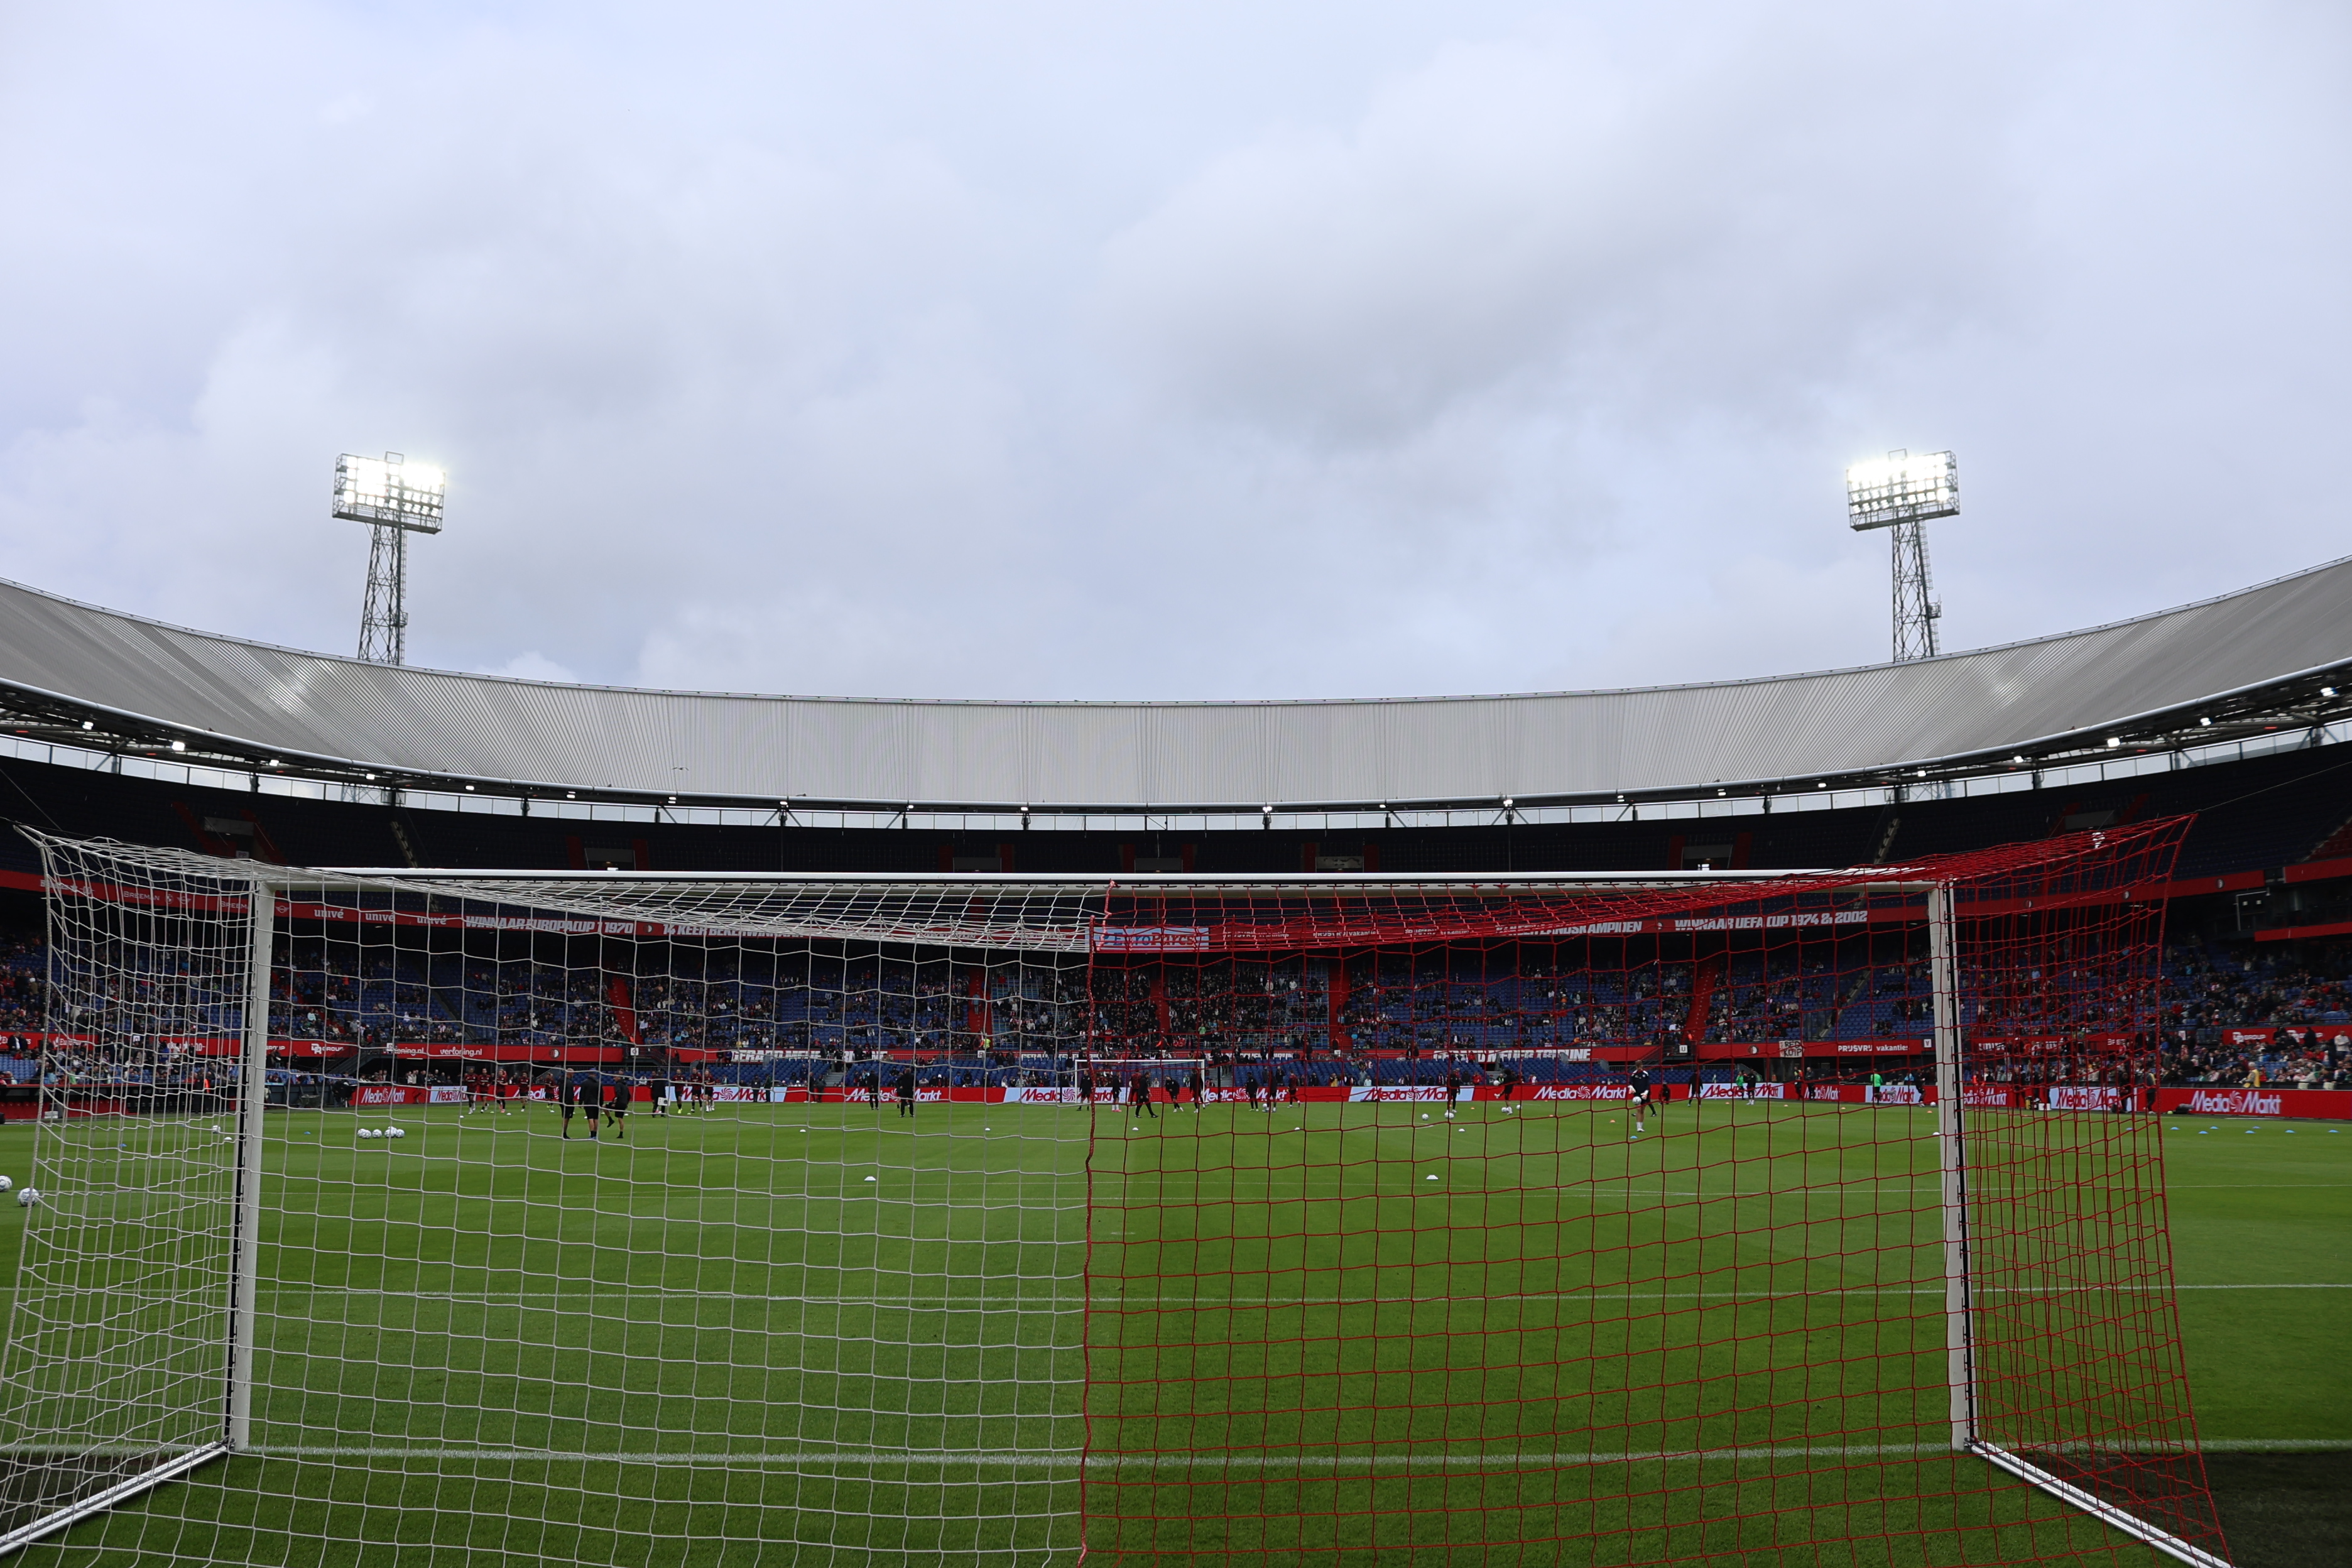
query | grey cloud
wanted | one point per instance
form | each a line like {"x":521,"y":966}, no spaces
{"x":1352,"y":350}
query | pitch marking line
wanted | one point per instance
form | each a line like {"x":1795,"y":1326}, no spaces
{"x":951,"y":1302}
{"x":1076,"y":1458}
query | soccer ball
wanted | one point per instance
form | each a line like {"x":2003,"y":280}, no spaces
{"x":1510,"y":1110}
{"x":5,"y":1183}
{"x":1449,"y":1116}
{"x":1425,"y":1116}
{"x":27,"y":1196}
{"x":370,"y":1132}
{"x":395,"y":1131}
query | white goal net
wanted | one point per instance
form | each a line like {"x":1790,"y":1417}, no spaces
{"x":694,"y":1220}
{"x":667,"y":1219}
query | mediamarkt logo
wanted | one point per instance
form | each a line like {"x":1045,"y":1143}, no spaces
{"x":2236,"y":1102}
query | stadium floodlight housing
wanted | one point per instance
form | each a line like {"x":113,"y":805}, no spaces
{"x":390,"y":492}
{"x":1900,"y":488}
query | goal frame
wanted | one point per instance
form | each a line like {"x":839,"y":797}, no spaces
{"x":267,"y":886}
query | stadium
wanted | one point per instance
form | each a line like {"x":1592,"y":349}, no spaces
{"x":1510,"y":1128}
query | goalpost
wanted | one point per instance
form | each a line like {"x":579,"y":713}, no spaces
{"x":279,"y":1294}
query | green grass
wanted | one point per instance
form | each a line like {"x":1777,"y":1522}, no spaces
{"x":719,"y":1344}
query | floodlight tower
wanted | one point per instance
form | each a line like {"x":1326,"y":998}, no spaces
{"x":396,"y":497}
{"x":1901,"y":493}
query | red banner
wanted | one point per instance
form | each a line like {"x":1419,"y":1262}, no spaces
{"x":408,"y":1094}
{"x":2325,"y":1104}
{"x":549,"y":1056}
{"x":218,"y":1046}
{"x":1765,"y":1050}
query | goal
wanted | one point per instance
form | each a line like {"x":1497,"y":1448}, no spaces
{"x":788,"y":1235}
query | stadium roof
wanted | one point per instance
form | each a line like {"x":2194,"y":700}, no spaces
{"x":2257,"y":657}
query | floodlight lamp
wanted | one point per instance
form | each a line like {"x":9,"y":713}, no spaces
{"x":1900,"y":488}
{"x":2328,"y":691}
{"x":88,"y":725}
{"x":1506,"y":802}
{"x":179,"y":745}
{"x":390,"y":492}
{"x":2205,"y":723}
{"x":2114,"y":741}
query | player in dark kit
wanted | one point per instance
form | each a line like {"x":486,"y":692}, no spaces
{"x":575,"y":1099}
{"x":1139,"y":1094}
{"x":1249,"y":1087}
{"x":616,"y":1108}
{"x":1642,"y":1103}
{"x":907,"y":1093}
{"x":1086,"y":1087}
{"x":1200,"y":1089}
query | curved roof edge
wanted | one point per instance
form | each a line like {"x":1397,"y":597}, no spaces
{"x":2216,"y":659}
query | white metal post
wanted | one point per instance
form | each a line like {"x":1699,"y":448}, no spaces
{"x":245,"y":1222}
{"x":1959,"y":1330}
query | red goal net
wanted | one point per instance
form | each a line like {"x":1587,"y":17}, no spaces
{"x":1789,"y":1219}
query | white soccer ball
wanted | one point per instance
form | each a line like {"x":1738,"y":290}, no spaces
{"x":1449,"y":1116}
{"x":1425,"y":1116}
{"x":5,"y":1183}
{"x":216,"y":1127}
{"x":27,"y":1196}
{"x":1510,"y":1110}
{"x":395,"y":1131}
{"x":370,"y":1132}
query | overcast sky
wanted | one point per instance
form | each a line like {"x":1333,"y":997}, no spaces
{"x":1235,"y":350}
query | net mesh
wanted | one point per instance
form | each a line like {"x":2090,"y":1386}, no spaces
{"x":706,"y":1219}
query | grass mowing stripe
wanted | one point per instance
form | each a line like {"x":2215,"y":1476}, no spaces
{"x":527,"y":1391}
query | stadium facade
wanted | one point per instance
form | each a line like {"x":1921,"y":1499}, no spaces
{"x":2230,"y":709}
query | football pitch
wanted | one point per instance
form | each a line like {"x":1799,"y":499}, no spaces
{"x":823,"y":1334}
